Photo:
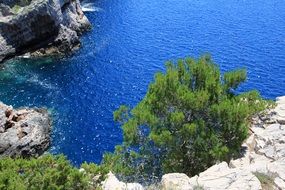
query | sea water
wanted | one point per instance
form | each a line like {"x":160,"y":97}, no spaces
{"x":130,"y":42}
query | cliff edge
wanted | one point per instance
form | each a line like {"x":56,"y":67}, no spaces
{"x":40,"y":27}
{"x":260,"y":166}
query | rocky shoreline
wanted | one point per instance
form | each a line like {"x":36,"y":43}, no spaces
{"x":261,"y":166}
{"x":24,"y":132}
{"x":35,"y":28}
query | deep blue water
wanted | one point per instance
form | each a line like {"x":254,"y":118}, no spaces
{"x":130,"y":41}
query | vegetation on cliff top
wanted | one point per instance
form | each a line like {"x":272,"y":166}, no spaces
{"x":47,"y":172}
{"x":18,"y":5}
{"x":190,"y":118}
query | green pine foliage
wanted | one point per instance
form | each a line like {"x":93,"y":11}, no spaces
{"x":45,"y":173}
{"x":190,"y":118}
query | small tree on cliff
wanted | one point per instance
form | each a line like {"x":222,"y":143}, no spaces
{"x":190,"y":118}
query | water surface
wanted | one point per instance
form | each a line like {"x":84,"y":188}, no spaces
{"x":130,"y":41}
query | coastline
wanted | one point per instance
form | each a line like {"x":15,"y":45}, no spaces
{"x":40,"y":28}
{"x":263,"y":157}
{"x":263,"y":151}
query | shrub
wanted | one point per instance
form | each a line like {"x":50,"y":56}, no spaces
{"x":190,"y":118}
{"x":45,"y":173}
{"x":17,"y":6}
{"x":16,"y":9}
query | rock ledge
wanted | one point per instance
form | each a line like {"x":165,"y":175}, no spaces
{"x":23,"y":132}
{"x":263,"y":159}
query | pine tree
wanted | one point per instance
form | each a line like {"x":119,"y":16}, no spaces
{"x":190,"y":118}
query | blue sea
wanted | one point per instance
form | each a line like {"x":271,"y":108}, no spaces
{"x":129,"y":42}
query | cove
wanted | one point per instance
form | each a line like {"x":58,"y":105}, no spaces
{"x":130,"y":41}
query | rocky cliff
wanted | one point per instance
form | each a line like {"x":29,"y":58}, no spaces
{"x":261,"y":165}
{"x":23,"y":132}
{"x":40,"y":27}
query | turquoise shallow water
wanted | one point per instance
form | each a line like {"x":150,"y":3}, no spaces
{"x":130,"y":41}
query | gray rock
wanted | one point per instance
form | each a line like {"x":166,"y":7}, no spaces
{"x":42,"y":27}
{"x":26,"y":131}
{"x":5,"y":10}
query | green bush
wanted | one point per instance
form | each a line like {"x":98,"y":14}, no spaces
{"x":17,"y":6}
{"x":190,"y":118}
{"x":16,"y":9}
{"x":45,"y":173}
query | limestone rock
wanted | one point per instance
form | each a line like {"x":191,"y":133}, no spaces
{"x":24,"y":132}
{"x":176,"y":181}
{"x":217,"y":177}
{"x":220,"y":176}
{"x":134,"y":186}
{"x":112,"y":183}
{"x":277,"y":168}
{"x":279,"y":183}
{"x":279,"y":110}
